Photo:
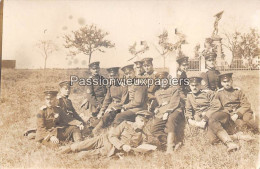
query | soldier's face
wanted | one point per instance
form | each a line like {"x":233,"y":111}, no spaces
{"x":195,"y":87}
{"x":113,"y":75}
{"x":140,"y":122}
{"x":65,"y":91}
{"x":148,"y":67}
{"x":226,"y":83}
{"x":129,"y":74}
{"x":184,"y":67}
{"x":164,"y":83}
{"x":94,"y":70}
{"x":211,"y":63}
{"x":50,"y":101}
{"x":139,"y":70}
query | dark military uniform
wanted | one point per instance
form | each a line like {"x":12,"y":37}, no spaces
{"x":66,"y":105}
{"x":198,"y":104}
{"x":115,"y":98}
{"x":184,"y":89}
{"x":52,"y":122}
{"x":169,"y":102}
{"x":211,"y":79}
{"x":95,"y":95}
{"x":137,"y":102}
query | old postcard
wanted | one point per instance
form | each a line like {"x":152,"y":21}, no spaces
{"x":129,"y":84}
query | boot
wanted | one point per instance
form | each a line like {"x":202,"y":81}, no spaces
{"x":77,"y":137}
{"x":98,"y":127}
{"x":242,"y":136}
{"x":225,"y":138}
{"x":170,"y":143}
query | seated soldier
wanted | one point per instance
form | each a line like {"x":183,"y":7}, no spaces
{"x":137,"y":98}
{"x":124,"y":137}
{"x":50,"y":127}
{"x":230,"y":105}
{"x":198,"y":103}
{"x":169,"y":114}
{"x":116,"y":97}
{"x":70,"y":115}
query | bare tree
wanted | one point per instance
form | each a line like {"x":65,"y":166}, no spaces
{"x":132,"y":49}
{"x":87,"y":40}
{"x":47,"y":47}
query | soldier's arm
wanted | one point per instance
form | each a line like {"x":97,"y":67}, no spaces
{"x":106,"y":101}
{"x":124,"y":97}
{"x":175,"y":100}
{"x":205,"y":79}
{"x":75,"y":114}
{"x":91,"y":96}
{"x":215,"y":105}
{"x":65,"y":120}
{"x":140,"y":98}
{"x":114,"y":135}
{"x":245,"y":105}
{"x":189,"y":109}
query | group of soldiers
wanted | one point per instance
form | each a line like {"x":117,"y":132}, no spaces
{"x":209,"y":102}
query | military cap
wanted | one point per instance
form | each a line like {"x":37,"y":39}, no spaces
{"x":161,"y":75}
{"x":147,"y":61}
{"x":144,"y":113}
{"x":64,"y":83}
{"x":113,"y":70}
{"x":127,"y":68}
{"x":183,"y":60}
{"x":195,"y":79}
{"x":210,"y":55}
{"x":51,"y":93}
{"x":225,"y":76}
{"x":208,"y":40}
{"x":94,"y":64}
{"x":139,"y":62}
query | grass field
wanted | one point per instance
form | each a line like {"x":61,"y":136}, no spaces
{"x":22,"y":96}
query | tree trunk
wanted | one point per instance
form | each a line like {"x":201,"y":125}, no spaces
{"x":89,"y":58}
{"x":45,"y":62}
{"x":164,"y":62}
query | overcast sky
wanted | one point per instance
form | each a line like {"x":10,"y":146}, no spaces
{"x":126,"y":21}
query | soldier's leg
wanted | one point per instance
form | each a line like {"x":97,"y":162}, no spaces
{"x":157,"y":130}
{"x":126,"y":115}
{"x":175,"y":128}
{"x":68,"y":132}
{"x":252,"y":122}
{"x":216,"y":123}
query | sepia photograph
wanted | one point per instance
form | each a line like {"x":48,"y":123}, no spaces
{"x":117,"y":84}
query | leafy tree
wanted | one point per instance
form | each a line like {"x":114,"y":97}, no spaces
{"x":87,"y":40}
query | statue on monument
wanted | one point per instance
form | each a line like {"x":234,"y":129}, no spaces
{"x":218,"y":17}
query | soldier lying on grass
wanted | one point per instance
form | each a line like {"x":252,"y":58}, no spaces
{"x":122,"y":138}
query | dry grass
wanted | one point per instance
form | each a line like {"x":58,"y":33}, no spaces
{"x":21,"y":97}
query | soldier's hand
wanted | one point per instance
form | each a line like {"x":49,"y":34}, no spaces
{"x":81,"y":127}
{"x":54,"y":140}
{"x":156,"y":110}
{"x":234,"y":117}
{"x":107,"y":111}
{"x":100,"y":114}
{"x":201,"y":124}
{"x":165,"y":116}
{"x":126,"y":148}
{"x":192,"y":122}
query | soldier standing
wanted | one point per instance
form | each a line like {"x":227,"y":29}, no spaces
{"x":137,"y":97}
{"x":116,"y":97}
{"x":169,"y":114}
{"x":210,"y":75}
{"x":50,"y":126}
{"x":181,"y":74}
{"x":124,"y":137}
{"x":95,"y":92}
